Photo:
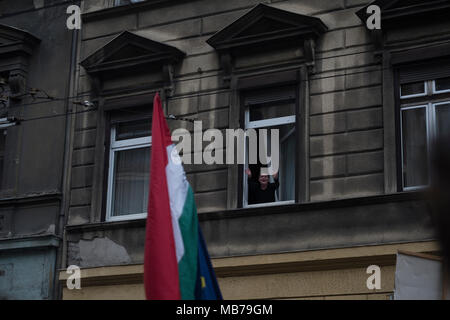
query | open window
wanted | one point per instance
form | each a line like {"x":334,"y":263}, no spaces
{"x":263,"y":55}
{"x":271,"y":113}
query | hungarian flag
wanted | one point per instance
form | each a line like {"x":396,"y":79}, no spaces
{"x":176,"y":263}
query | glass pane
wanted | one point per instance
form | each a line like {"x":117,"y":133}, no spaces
{"x":131,"y":181}
{"x":2,"y":152}
{"x":287,"y":163}
{"x":409,"y":89}
{"x":415,"y":149}
{"x":263,"y":189}
{"x":273,"y":110}
{"x":134,"y":129}
{"x":443,"y":119}
{"x":442,"y":84}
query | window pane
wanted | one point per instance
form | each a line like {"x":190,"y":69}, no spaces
{"x":415,"y":150}
{"x":442,"y":84}
{"x":287,"y":163}
{"x":412,"y":89}
{"x":273,"y":110}
{"x":134,"y":129}
{"x":284,"y":190}
{"x":123,"y":2}
{"x":443,"y":119}
{"x":2,"y":153}
{"x":131,"y":181}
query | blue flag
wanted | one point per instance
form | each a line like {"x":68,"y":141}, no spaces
{"x":207,"y":287}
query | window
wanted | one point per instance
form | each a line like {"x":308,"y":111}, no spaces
{"x":424,"y":114}
{"x":270,"y":109}
{"x":129,"y":170}
{"x":123,"y":2}
{"x":2,"y":153}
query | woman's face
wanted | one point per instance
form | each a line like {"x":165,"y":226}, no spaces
{"x":263,"y":179}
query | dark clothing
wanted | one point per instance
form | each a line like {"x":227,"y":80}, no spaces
{"x":256,"y":195}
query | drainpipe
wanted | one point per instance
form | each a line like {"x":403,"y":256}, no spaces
{"x":61,"y":258}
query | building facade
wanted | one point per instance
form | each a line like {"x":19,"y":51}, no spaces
{"x":36,"y":62}
{"x":356,"y":110}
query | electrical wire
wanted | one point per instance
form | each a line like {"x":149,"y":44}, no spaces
{"x":342,"y":73}
{"x":212,"y":92}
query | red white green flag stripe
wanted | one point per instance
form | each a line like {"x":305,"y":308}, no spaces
{"x":171,"y":248}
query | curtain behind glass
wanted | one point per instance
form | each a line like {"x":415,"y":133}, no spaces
{"x":415,"y":147}
{"x":131,"y":181}
{"x":443,"y":119}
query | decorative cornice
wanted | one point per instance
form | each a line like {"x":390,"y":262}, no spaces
{"x":266,"y":27}
{"x":30,"y":242}
{"x":287,"y":26}
{"x":396,"y":13}
{"x":317,"y":260}
{"x":110,"y":56}
{"x":16,"y":46}
{"x":14,"y":41}
{"x":37,"y":198}
{"x":129,"y":53}
{"x":257,"y":211}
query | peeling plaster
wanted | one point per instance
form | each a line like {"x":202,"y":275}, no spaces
{"x":101,"y":252}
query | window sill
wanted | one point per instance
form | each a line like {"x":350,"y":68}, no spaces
{"x":277,"y":208}
{"x":128,"y":217}
{"x":269,"y":204}
{"x":258,"y":211}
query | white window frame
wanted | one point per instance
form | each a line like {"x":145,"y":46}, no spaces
{"x":425,"y":93}
{"x":428,"y":125}
{"x":430,"y":110}
{"x":266,"y":123}
{"x":116,"y":146}
{"x":437,"y":104}
{"x":438,"y":91}
{"x":117,"y":2}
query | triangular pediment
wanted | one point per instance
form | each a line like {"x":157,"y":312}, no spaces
{"x":393,"y":12}
{"x":129,"y":50}
{"x":17,"y":41}
{"x":264,"y":23}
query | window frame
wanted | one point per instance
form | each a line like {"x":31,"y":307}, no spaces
{"x":266,"y":123}
{"x":427,"y":121}
{"x":117,"y":3}
{"x":416,"y":95}
{"x":438,"y":91}
{"x":117,"y":146}
{"x":429,"y":101}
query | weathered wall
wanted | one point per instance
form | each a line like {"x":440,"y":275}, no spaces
{"x":30,"y":196}
{"x":346,"y":137}
{"x":28,"y":268}
{"x":323,"y":274}
{"x":338,"y":224}
{"x":346,"y":115}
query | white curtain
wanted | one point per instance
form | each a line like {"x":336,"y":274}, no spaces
{"x":131,"y":181}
